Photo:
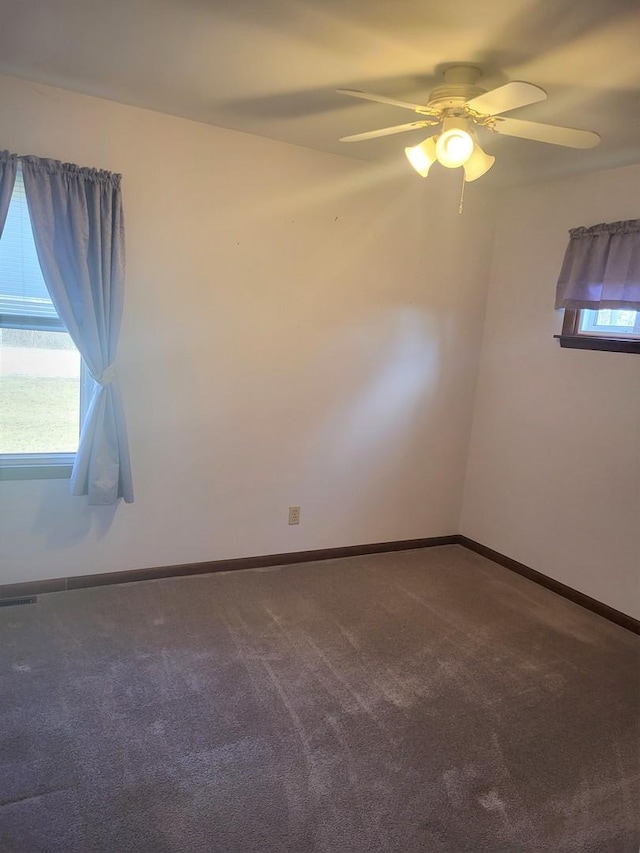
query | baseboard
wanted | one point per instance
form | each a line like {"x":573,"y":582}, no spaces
{"x":268,"y":560}
{"x":213,"y":566}
{"x":558,"y":587}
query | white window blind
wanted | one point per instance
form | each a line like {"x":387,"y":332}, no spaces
{"x":22,"y":287}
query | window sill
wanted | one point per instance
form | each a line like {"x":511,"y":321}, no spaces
{"x":603,"y":344}
{"x":36,"y":466}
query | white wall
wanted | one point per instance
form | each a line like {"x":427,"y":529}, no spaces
{"x":299,"y":329}
{"x":553,"y":477}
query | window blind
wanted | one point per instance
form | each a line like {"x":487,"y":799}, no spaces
{"x":22,"y":287}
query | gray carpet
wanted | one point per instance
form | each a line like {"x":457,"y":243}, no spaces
{"x":418,"y":701}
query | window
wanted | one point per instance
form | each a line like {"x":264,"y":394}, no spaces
{"x":599,"y":287}
{"x":616,"y":330}
{"x":44,"y":387}
{"x":609,"y":322}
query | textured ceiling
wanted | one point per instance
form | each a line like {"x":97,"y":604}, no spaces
{"x":271,"y":67}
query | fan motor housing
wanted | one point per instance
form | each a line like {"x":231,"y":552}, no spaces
{"x":450,"y":97}
{"x":458,"y":88}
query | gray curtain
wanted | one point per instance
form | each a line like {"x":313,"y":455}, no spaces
{"x":78,"y":228}
{"x":8,"y":166}
{"x":601,"y":267}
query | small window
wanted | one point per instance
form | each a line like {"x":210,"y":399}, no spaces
{"x":611,"y":329}
{"x":610,"y":322}
{"x":599,"y":287}
{"x":43,"y":384}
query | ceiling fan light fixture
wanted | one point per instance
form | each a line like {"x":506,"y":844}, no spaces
{"x":478,"y":164}
{"x":455,"y":144}
{"x":423,"y":156}
{"x":459,"y":106}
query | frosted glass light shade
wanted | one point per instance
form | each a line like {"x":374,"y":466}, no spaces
{"x":423,"y":156}
{"x":454,"y":147}
{"x":478,"y":164}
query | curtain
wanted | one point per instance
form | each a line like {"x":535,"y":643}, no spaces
{"x":601,"y":267}
{"x":78,"y":227}
{"x":8,"y":166}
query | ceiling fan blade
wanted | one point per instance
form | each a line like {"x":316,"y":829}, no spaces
{"x":381,"y":99}
{"x":551,"y":133}
{"x":508,"y":97}
{"x":387,"y":131}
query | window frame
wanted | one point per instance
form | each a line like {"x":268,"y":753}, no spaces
{"x":37,"y":466}
{"x":573,"y":338}
{"x":43,"y":466}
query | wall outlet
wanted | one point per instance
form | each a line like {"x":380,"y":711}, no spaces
{"x":294,"y":515}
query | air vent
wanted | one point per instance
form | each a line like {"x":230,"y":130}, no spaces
{"x":14,"y":602}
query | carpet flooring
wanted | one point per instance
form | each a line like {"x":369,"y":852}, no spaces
{"x":426,"y":700}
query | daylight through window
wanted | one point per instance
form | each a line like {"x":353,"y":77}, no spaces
{"x":609,"y":322}
{"x":40,"y":368}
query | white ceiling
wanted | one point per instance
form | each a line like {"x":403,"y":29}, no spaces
{"x":271,"y":67}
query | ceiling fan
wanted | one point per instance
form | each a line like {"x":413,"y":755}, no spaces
{"x":456,"y":108}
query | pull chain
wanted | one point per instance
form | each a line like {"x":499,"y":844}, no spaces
{"x":461,"y":206}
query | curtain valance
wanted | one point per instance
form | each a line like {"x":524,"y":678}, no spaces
{"x":601,"y":267}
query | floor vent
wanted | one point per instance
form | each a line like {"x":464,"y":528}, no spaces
{"x":13,"y":602}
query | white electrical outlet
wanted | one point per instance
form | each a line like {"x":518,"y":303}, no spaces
{"x":294,"y":515}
